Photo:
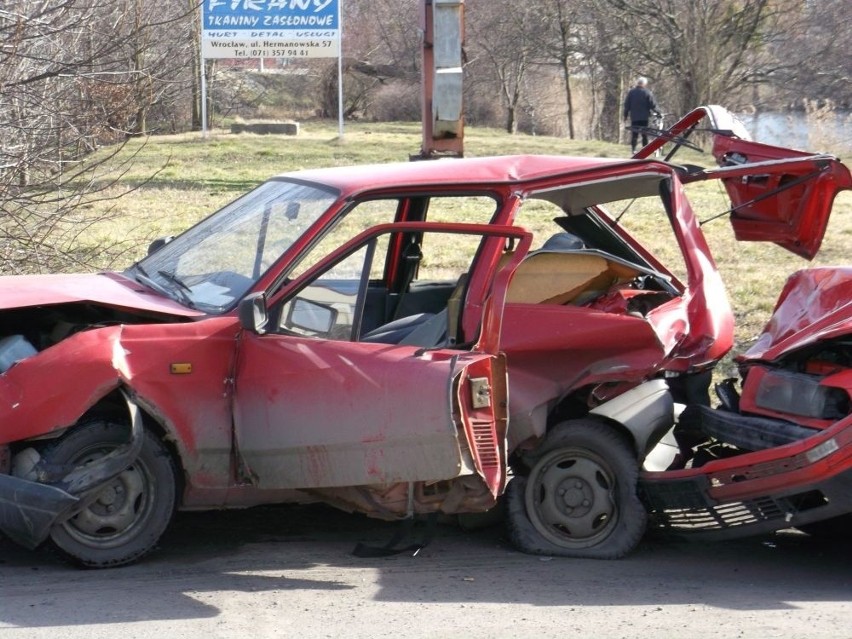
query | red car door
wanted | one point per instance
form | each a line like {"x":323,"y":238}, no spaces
{"x":322,"y":410}
{"x":778,"y":195}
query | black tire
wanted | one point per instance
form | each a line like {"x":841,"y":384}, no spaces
{"x":579,"y":498}
{"x":127,"y":517}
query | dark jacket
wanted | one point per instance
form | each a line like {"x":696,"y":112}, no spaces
{"x":639,"y":104}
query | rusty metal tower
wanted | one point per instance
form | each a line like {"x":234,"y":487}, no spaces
{"x":442,"y":23}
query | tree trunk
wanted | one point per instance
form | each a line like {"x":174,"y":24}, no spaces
{"x":569,"y":98}
{"x":511,"y":120}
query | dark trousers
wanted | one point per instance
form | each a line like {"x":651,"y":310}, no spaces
{"x":634,"y":132}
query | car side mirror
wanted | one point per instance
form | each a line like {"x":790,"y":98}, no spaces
{"x":252,"y":313}
{"x":310,"y":318}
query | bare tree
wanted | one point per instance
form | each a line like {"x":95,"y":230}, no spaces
{"x":77,"y":75}
{"x":705,"y":51}
{"x":381,"y":48}
{"x":74,"y":75}
{"x":814,"y":61}
{"x":502,"y":43}
{"x":559,"y":32}
{"x":602,"y":53}
{"x":741,"y":53}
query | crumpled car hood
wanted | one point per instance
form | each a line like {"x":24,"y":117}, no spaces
{"x":816,"y":304}
{"x":110,"y":289}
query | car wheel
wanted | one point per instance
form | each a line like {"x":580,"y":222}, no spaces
{"x":124,"y":519}
{"x":579,"y":498}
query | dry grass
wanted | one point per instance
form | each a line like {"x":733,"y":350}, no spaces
{"x":194,"y":176}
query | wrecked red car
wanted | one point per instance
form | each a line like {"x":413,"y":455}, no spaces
{"x":407,"y":339}
{"x":777,"y":453}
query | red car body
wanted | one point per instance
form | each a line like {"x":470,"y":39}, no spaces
{"x":288,"y":348}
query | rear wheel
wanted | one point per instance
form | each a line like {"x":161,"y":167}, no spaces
{"x":123,"y":519}
{"x":579,"y":498}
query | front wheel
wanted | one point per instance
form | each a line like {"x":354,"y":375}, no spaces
{"x":579,"y":498}
{"x":124,"y":518}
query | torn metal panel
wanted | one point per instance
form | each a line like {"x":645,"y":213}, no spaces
{"x":483,"y":403}
{"x":30,"y":408}
{"x":778,"y":195}
{"x":706,"y":330}
{"x":569,"y":349}
{"x":192,"y":405}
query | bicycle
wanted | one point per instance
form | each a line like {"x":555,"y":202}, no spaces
{"x":657,"y":124}
{"x":659,"y":128}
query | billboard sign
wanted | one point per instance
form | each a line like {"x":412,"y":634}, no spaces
{"x":270,"y":28}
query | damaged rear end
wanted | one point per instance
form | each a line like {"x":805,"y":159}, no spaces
{"x":779,"y":453}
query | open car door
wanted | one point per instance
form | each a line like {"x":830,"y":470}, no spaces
{"x":318,"y":407}
{"x":777,"y":194}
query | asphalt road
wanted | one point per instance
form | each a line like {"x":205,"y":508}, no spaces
{"x":290,"y":572}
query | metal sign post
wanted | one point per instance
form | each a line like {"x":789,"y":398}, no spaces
{"x":203,"y":71}
{"x":339,"y":73}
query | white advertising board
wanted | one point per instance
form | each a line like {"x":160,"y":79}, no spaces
{"x":270,"y":29}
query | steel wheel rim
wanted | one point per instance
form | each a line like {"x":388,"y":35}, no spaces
{"x":117,"y":510}
{"x":570,"y":498}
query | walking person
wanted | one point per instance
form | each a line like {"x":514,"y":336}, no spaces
{"x":638,"y":107}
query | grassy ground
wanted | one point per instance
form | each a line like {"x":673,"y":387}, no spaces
{"x":193,"y":176}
